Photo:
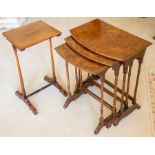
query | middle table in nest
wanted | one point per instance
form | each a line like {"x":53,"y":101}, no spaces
{"x":95,"y":47}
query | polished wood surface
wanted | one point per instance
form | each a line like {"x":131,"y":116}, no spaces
{"x":78,"y":61}
{"x":68,"y":79}
{"x":87,"y":53}
{"x":30,"y":34}
{"x":107,"y":40}
{"x":24,"y":37}
{"x":52,"y":60}
{"x":19,"y":72}
{"x":77,"y":80}
{"x":94,"y":47}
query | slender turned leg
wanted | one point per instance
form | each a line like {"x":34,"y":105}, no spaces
{"x":68,"y":85}
{"x":128,"y":85}
{"x":114,"y":118}
{"x":140,"y":60}
{"x":125,"y":70}
{"x":77,"y":80}
{"x":53,"y":79}
{"x":80,"y":77}
{"x":23,"y":94}
{"x":101,"y":105}
{"x":68,"y":80}
{"x":52,"y":60}
{"x":115,"y":95}
{"x":20,"y":73}
{"x":101,"y":121}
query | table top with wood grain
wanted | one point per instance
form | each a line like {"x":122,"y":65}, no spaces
{"x":79,"y":61}
{"x":30,"y":34}
{"x":89,"y":54}
{"x":109,"y":41}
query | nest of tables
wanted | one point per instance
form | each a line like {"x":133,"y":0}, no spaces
{"x":94,"y":47}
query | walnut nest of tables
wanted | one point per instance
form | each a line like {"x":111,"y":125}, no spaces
{"x":95,"y":47}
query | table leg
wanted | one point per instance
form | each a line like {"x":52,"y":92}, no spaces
{"x":125,"y":70}
{"x":77,"y":81}
{"x":68,"y":84}
{"x":68,"y":80}
{"x":20,"y":73}
{"x":53,"y":79}
{"x":101,"y":120}
{"x":115,"y":95}
{"x":80,"y":77}
{"x":128,"y":85}
{"x":52,"y":60}
{"x":101,"y":105}
{"x":114,"y":117}
{"x":140,"y":60}
{"x":23,"y":94}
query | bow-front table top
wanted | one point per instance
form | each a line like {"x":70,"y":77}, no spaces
{"x":109,"y":41}
{"x":79,"y":61}
{"x":89,"y":54}
{"x":30,"y":34}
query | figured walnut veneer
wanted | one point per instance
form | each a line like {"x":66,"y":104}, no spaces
{"x":107,"y":40}
{"x":79,"y":61}
{"x":89,"y":54}
{"x":30,"y":34}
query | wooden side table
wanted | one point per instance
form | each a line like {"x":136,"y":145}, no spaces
{"x":27,"y":36}
{"x":95,"y":71}
{"x":112,"y":42}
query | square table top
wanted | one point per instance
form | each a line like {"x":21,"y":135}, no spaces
{"x":109,"y":41}
{"x":30,"y":34}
